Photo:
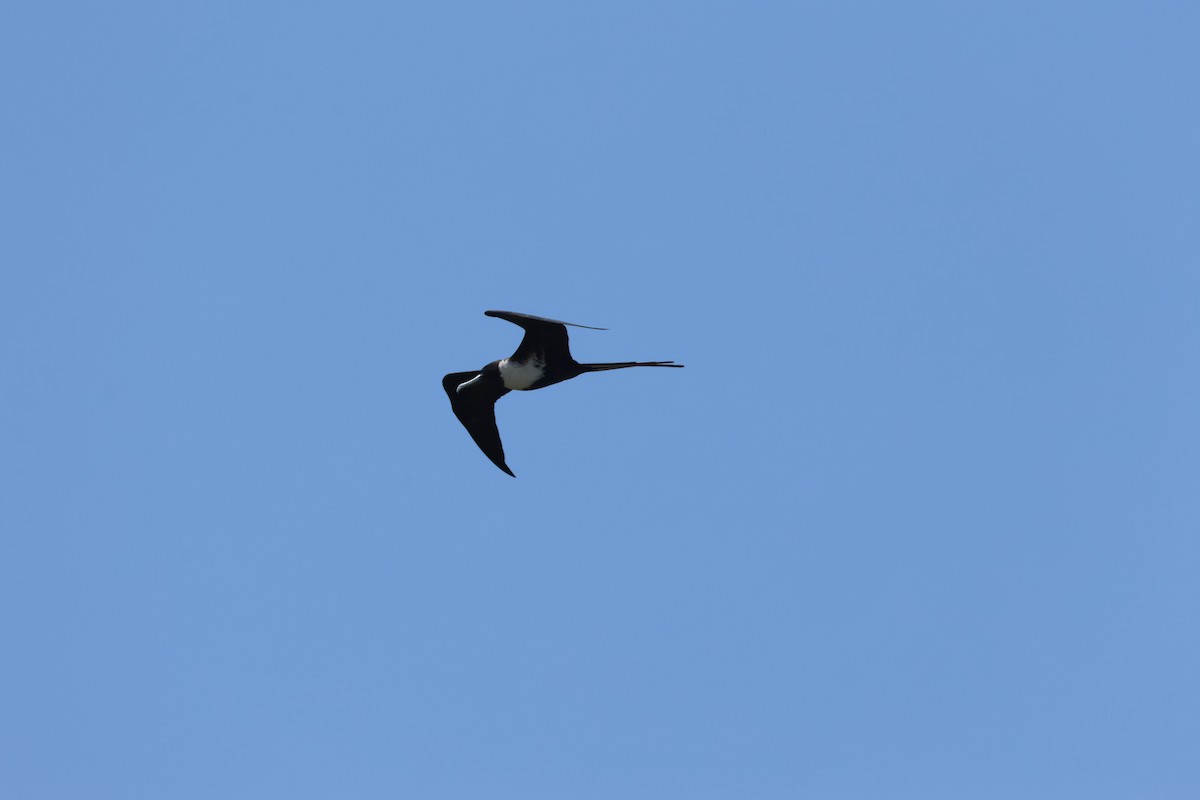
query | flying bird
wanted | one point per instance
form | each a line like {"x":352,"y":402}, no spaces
{"x":542,"y":359}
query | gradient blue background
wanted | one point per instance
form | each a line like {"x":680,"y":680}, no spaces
{"x":919,"y":519}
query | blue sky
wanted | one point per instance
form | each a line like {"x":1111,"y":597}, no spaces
{"x":919,"y":519}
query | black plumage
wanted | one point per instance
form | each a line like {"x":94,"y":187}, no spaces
{"x":543,"y":358}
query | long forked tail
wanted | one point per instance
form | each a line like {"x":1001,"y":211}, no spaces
{"x":624,"y":364}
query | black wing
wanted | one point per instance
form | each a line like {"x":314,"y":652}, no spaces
{"x":545,"y":338}
{"x":475,"y":408}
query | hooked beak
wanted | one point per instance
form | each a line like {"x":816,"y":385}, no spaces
{"x":462,"y":386}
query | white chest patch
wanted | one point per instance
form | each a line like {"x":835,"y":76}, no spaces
{"x":521,"y":375}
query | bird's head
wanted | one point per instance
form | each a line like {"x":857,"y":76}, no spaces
{"x":489,"y":374}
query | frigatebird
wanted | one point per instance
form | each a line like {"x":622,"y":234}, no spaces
{"x":542,"y":359}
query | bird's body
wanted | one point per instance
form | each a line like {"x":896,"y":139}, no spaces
{"x":522,"y":376}
{"x":542,"y":359}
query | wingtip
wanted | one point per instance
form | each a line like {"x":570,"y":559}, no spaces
{"x":501,"y":464}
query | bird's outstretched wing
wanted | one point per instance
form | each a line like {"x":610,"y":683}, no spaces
{"x":475,"y":407}
{"x":544,"y":338}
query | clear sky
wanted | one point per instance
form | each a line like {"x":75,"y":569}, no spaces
{"x":919,"y":520}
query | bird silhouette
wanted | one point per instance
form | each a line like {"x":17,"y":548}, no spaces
{"x":542,"y":359}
